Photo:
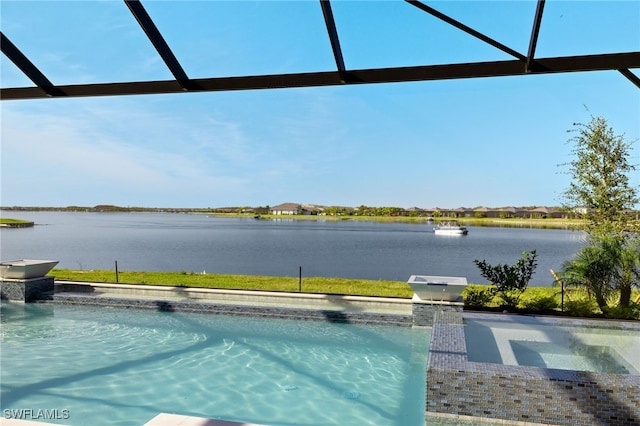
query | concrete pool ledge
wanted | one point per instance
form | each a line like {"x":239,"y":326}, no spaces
{"x":212,"y":293}
{"x":165,"y":419}
{"x":322,"y":307}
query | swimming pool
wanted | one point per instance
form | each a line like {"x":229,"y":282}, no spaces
{"x":114,"y":366}
{"x":567,"y":344}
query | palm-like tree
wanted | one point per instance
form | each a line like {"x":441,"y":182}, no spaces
{"x":609,"y":263}
{"x":594,"y":268}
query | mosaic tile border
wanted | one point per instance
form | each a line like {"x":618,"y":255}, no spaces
{"x":26,"y":290}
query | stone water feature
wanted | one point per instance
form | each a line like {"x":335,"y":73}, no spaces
{"x":25,"y":280}
{"x":435,"y":293}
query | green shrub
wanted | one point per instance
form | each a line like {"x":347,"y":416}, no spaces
{"x":630,"y":312}
{"x":478,"y":296}
{"x":541,"y":303}
{"x":510,"y":280}
{"x":538,"y":292}
{"x":581,"y":308}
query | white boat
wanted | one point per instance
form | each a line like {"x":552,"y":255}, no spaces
{"x":450,"y":228}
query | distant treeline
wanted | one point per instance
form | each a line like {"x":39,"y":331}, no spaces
{"x":300,"y":209}
{"x":532,"y":212}
{"x":108,"y":208}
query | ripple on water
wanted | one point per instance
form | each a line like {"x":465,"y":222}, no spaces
{"x":126,"y":366}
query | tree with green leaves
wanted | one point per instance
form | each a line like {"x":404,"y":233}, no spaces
{"x":601,"y":191}
{"x":600,"y":187}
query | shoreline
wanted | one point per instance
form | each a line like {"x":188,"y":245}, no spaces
{"x":512,"y":222}
{"x":547,"y":223}
{"x":15,"y":223}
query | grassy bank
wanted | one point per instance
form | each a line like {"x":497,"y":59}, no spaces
{"x":548,"y":223}
{"x":244,"y":282}
{"x":15,"y":223}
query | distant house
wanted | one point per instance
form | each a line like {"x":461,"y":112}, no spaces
{"x":286,"y":209}
{"x":541,"y":213}
{"x":461,"y":212}
{"x":480,"y":212}
{"x":313,"y":209}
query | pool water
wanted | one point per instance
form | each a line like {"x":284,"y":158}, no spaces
{"x":579,"y":345}
{"x":112,"y":366}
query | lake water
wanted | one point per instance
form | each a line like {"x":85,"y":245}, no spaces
{"x":350,"y":249}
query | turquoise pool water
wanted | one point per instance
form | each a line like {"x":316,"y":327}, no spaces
{"x":112,"y":366}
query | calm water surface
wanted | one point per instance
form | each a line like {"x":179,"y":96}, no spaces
{"x":197,"y":243}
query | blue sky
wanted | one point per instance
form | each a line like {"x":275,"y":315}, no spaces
{"x":476,"y":142}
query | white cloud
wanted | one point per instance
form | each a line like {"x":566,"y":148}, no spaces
{"x":77,"y":154}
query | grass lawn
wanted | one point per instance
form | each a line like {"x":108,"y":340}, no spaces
{"x":244,"y":282}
